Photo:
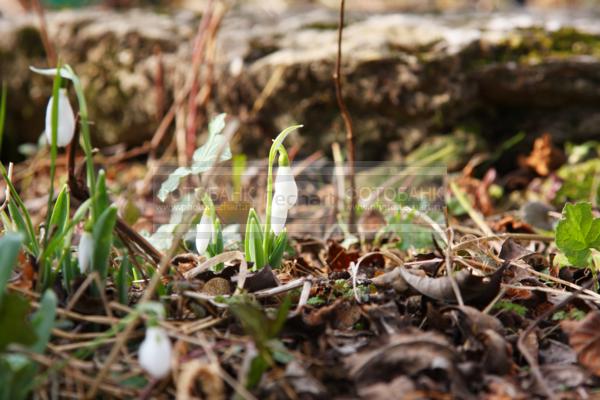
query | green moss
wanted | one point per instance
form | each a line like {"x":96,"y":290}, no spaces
{"x":322,"y":26}
{"x":533,"y":45}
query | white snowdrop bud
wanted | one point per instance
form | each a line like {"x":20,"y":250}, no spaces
{"x":285,"y":185}
{"x":85,"y":252}
{"x":236,"y":66}
{"x":279,"y":213}
{"x":155,"y":352}
{"x":204,"y":233}
{"x":66,"y":120}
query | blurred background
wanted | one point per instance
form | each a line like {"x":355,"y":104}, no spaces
{"x":420,"y":76}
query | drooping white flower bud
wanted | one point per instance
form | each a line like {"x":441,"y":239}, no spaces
{"x":204,"y":232}
{"x":66,"y":120}
{"x":285,"y":186}
{"x":85,"y":252}
{"x":155,"y":352}
{"x":279,"y":213}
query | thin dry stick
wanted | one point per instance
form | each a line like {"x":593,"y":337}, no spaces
{"x":48,"y":48}
{"x":197,"y":58}
{"x":453,"y":282}
{"x":518,"y":236}
{"x":347,"y":120}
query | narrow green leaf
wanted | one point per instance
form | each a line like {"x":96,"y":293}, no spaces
{"x":103,"y":239}
{"x":10,"y":244}
{"x":14,"y":325}
{"x":278,"y":250}
{"x":122,"y":280}
{"x":20,"y":225}
{"x":43,"y":321}
{"x":21,"y":210}
{"x":103,"y":200}
{"x":60,"y":212}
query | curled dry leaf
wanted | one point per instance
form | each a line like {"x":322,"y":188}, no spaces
{"x":512,"y":251}
{"x":584,"y":338}
{"x":475,"y":290}
{"x":262,"y":279}
{"x":391,"y":279}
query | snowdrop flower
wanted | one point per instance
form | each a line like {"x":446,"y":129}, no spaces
{"x":205,"y":231}
{"x":66,"y":120}
{"x":155,"y":352}
{"x":285,"y":186}
{"x":284,"y":198}
{"x":278,"y":214}
{"x":85,"y":251}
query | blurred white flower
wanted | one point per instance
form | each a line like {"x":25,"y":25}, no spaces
{"x":204,"y":233}
{"x":285,"y":186}
{"x":155,"y":352}
{"x":66,"y":120}
{"x":85,"y":252}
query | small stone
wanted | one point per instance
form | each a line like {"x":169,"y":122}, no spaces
{"x":217,"y":287}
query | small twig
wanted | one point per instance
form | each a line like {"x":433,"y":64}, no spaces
{"x":198,"y":53}
{"x":425,"y":218}
{"x":347,"y":121}
{"x":474,"y":214}
{"x":304,"y":295}
{"x":449,"y":263}
{"x":79,"y":292}
{"x":517,"y":236}
{"x":48,"y":48}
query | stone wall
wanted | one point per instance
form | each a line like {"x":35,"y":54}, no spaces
{"x":407,"y":77}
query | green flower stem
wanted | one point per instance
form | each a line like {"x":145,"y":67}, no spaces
{"x":275,"y":149}
{"x":53,"y":148}
{"x":85,"y":134}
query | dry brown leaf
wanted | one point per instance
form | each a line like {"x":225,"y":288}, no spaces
{"x":338,"y":258}
{"x":511,"y":225}
{"x":544,"y":157}
{"x":584,"y":338}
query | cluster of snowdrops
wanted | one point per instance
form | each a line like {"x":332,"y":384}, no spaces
{"x":263,"y":243}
